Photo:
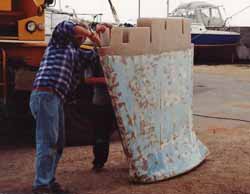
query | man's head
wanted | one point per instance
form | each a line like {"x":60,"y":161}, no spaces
{"x":79,"y":37}
{"x":68,"y":32}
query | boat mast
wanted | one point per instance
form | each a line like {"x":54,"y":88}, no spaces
{"x":167,"y":8}
{"x":139,"y":8}
{"x":114,"y":13}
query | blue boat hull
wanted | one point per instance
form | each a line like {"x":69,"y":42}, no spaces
{"x":209,"y":39}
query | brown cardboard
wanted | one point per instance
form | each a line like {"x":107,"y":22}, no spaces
{"x":152,"y":35}
{"x":130,"y":40}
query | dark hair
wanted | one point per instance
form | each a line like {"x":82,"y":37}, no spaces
{"x":63,"y":34}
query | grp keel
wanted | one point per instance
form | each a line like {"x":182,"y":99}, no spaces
{"x":151,"y":87}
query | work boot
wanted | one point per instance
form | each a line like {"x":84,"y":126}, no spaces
{"x":42,"y":190}
{"x":57,"y":189}
{"x":97,"y":167}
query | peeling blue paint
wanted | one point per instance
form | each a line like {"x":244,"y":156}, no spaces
{"x":152,"y":98}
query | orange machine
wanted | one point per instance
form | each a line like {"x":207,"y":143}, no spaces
{"x":22,"y":44}
{"x":22,"y":37}
{"x":22,"y":20}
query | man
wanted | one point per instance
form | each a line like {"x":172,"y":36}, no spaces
{"x":58,"y":76}
{"x":102,"y":112}
{"x":102,"y":115}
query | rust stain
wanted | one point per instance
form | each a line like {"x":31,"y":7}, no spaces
{"x":144,"y":91}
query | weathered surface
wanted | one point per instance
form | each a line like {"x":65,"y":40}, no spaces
{"x":152,"y":97}
{"x":151,"y":36}
{"x":149,"y":75}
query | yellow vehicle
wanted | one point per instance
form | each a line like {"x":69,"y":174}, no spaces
{"x":22,"y":44}
{"x":22,"y":34}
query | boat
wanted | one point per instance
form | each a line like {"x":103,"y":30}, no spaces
{"x":206,"y":17}
{"x":200,"y":35}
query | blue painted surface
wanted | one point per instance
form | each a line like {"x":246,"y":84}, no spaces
{"x":206,"y":39}
{"x":152,"y":98}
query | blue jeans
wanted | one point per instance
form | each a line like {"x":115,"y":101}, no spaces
{"x":47,"y":109}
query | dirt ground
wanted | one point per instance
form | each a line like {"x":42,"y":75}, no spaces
{"x":239,"y":71}
{"x":225,"y":171}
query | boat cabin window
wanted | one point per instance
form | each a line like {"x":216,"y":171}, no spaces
{"x":208,"y":16}
{"x":211,"y":17}
{"x":216,"y":18}
{"x":186,"y":14}
{"x":205,"y":16}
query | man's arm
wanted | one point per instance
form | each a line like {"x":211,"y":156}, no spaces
{"x":81,"y":31}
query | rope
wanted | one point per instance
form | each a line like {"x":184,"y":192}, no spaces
{"x":222,"y":118}
{"x":236,"y":13}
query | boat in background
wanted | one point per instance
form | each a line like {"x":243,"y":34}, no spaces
{"x":200,"y":35}
{"x":205,"y":17}
{"x":208,"y":14}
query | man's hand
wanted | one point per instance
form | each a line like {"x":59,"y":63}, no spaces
{"x":101,"y":28}
{"x":94,"y":37}
{"x":107,"y":25}
{"x":104,"y":32}
{"x":80,"y":34}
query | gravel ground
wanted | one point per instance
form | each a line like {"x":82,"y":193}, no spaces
{"x":219,"y":91}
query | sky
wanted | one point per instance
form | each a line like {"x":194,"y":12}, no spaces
{"x":127,"y":10}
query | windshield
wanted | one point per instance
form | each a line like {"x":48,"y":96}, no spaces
{"x":209,"y":16}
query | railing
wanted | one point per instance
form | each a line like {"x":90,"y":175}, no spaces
{"x":53,"y":17}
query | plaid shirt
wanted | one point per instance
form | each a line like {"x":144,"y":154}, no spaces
{"x":63,"y":63}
